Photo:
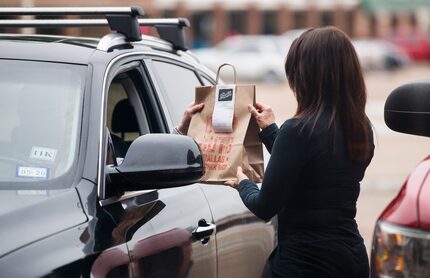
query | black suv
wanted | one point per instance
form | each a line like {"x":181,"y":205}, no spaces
{"x":91,"y":183}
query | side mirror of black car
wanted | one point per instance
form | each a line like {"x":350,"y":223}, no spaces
{"x":407,"y":108}
{"x":156,"y":161}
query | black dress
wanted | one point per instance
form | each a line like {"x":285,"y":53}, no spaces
{"x":312,"y":186}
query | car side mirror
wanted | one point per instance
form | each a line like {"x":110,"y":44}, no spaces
{"x":407,"y":108}
{"x":156,"y":161}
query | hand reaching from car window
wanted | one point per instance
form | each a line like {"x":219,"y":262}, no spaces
{"x":188,"y":114}
{"x":263,"y":114}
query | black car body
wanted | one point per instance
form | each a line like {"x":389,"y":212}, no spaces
{"x":77,"y":114}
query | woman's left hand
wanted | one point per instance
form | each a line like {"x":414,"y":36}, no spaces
{"x":240,"y":176}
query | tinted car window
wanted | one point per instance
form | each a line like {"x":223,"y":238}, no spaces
{"x":179,"y":83}
{"x":40,"y":116}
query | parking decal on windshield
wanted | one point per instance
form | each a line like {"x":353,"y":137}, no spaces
{"x":41,"y":153}
{"x":32,"y":172}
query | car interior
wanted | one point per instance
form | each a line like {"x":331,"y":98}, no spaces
{"x":123,"y":122}
{"x":126,"y":118}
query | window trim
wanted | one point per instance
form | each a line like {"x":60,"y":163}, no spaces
{"x":113,"y":69}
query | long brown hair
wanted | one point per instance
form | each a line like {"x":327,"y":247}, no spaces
{"x":323,"y":71}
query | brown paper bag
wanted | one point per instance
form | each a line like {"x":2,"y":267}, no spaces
{"x":223,"y":152}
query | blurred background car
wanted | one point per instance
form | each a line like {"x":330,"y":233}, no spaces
{"x":262,"y":57}
{"x":256,"y":57}
{"x":416,"y":44}
{"x":376,"y":54}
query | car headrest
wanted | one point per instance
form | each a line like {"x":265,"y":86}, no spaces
{"x":124,"y":118}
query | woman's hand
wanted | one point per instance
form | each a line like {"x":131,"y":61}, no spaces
{"x":263,"y":114}
{"x":188,"y":114}
{"x":240,"y":176}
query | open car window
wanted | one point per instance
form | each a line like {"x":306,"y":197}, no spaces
{"x":127,"y":114}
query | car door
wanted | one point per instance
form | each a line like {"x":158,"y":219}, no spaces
{"x":244,"y":242}
{"x":167,"y":231}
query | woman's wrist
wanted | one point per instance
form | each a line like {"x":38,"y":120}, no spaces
{"x":242,"y":183}
{"x":266,"y":125}
{"x":181,"y":129}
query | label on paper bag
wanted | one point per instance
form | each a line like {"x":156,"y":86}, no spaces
{"x":222,"y":117}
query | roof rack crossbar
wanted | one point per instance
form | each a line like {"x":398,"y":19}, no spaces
{"x":180,"y":22}
{"x":61,"y":23}
{"x":72,"y":11}
{"x":54,"y":23}
{"x":170,"y":29}
{"x":121,"y":19}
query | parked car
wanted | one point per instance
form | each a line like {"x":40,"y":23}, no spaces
{"x":379,"y":55}
{"x":92,"y":184}
{"x":256,"y":57}
{"x":415,"y":43}
{"x":401,"y":243}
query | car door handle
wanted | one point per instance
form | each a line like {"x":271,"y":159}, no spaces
{"x":203,"y":230}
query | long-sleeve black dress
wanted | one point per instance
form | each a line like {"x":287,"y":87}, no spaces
{"x":312,"y":186}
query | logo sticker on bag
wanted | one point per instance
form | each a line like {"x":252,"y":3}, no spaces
{"x":222,"y":117}
{"x":225,"y":95}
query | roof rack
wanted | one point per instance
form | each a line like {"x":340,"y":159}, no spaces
{"x":121,"y":19}
{"x":71,"y":11}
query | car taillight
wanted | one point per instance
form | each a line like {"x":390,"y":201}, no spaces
{"x":400,"y":252}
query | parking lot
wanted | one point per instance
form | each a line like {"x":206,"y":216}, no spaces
{"x":396,"y":154}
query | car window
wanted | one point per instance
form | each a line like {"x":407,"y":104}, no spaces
{"x":117,"y":96}
{"x":40,"y":115}
{"x":127,"y":113}
{"x":179,"y":84}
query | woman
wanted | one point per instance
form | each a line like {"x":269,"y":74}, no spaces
{"x":318,"y":159}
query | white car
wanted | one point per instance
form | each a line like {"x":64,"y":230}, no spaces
{"x":379,"y":54}
{"x":256,"y":57}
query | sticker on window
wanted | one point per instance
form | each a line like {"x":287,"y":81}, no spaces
{"x":32,"y":172}
{"x":41,"y":153}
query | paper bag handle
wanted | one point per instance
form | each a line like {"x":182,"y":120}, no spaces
{"x":234,"y":71}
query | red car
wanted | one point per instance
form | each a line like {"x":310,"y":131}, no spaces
{"x":416,"y":44}
{"x":401,"y":243}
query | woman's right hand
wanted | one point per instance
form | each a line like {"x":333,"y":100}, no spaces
{"x":188,"y":114}
{"x":263,"y":114}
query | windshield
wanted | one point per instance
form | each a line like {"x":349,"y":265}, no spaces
{"x":40,"y":111}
